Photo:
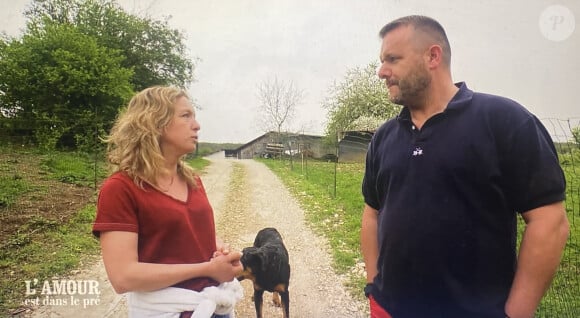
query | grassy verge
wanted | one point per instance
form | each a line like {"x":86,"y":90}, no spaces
{"x":74,"y":168}
{"x":11,"y":188}
{"x":198,"y":164}
{"x":44,"y":249}
{"x":47,"y":207}
{"x":338,"y":217}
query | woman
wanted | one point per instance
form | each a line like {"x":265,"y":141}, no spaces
{"x":154,"y":220}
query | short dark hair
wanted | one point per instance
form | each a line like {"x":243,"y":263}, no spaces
{"x":426,"y":25}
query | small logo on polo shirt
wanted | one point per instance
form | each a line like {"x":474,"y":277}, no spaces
{"x":417,"y":152}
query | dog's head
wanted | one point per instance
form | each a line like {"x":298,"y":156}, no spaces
{"x":253,"y":262}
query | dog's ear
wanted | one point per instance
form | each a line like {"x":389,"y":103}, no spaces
{"x":248,"y":250}
{"x":251,"y":257}
{"x":263,"y":256}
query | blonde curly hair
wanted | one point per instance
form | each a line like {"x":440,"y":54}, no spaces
{"x":133,"y":143}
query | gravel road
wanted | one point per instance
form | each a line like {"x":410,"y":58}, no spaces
{"x":246,"y":197}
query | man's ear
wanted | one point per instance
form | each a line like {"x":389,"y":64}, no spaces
{"x":434,"y":56}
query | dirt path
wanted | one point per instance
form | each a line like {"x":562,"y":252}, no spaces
{"x":246,"y":197}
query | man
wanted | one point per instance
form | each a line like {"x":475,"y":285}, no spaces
{"x":443,"y":185}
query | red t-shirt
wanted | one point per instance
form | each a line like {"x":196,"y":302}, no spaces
{"x":170,"y":231}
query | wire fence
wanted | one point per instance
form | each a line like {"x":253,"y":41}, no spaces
{"x":563,"y":298}
{"x":64,"y":178}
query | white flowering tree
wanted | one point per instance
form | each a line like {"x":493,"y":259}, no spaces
{"x":359,"y":102}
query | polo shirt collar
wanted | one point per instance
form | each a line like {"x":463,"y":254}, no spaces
{"x":461,"y":100}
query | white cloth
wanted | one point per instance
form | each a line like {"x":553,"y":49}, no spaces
{"x":171,"y":301}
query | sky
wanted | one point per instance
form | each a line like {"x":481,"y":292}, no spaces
{"x":522,"y":49}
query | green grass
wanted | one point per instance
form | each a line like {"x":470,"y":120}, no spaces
{"x":74,"y":168}
{"x":11,"y":188}
{"x":82,"y":169}
{"x":43,"y":249}
{"x":338,"y":218}
{"x":12,"y":183}
{"x":198,"y":163}
{"x":563,"y":298}
{"x":46,"y":243}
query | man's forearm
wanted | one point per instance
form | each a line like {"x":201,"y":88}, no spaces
{"x":540,"y":253}
{"x":369,"y":243}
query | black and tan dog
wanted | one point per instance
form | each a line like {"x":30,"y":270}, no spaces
{"x":267,"y":265}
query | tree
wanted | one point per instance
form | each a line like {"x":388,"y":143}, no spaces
{"x":77,"y":63}
{"x":55,"y":80}
{"x":278,"y":102}
{"x":153,"y":50}
{"x":359,"y":102}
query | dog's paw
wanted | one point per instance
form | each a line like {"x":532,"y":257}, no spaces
{"x":276,"y":299}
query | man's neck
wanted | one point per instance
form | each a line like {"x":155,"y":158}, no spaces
{"x":435,"y":102}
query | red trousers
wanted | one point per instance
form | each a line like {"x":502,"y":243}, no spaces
{"x":376,"y":310}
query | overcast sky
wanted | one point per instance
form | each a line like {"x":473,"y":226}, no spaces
{"x":523,"y":49}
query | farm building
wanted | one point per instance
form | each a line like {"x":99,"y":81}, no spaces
{"x":353,"y":146}
{"x":272,"y":144}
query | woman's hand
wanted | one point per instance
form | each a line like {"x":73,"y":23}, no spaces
{"x":225,"y":267}
{"x":221,"y":248}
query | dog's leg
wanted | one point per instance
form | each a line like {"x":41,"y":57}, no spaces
{"x":276,"y":299}
{"x":286,"y":303}
{"x":258,"y":296}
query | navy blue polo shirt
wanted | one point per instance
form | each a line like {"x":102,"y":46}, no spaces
{"x":447,"y":197}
